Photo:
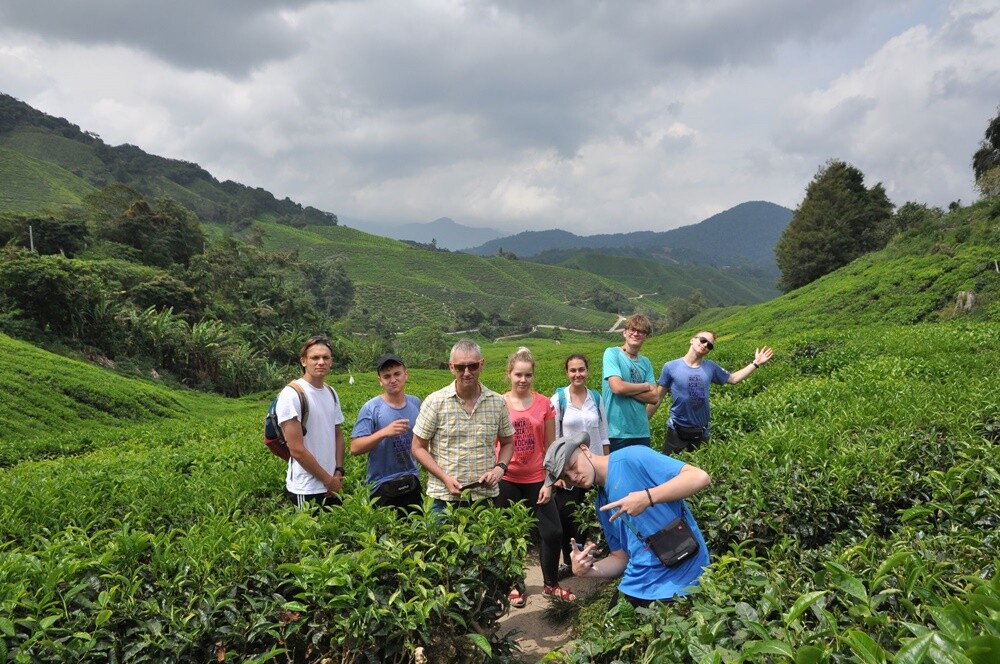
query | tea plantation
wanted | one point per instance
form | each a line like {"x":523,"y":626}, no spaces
{"x":853,"y":515}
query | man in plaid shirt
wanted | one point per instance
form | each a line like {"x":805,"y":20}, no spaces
{"x":455,"y":434}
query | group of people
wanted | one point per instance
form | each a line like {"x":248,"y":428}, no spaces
{"x":521,"y":446}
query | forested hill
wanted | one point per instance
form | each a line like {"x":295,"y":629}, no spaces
{"x":744,"y":235}
{"x":88,"y":162}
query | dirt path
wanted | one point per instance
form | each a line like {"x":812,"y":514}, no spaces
{"x":536,"y":635}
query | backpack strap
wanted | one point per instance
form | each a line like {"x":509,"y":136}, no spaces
{"x":561,"y":393}
{"x":597,"y":402}
{"x":303,"y":403}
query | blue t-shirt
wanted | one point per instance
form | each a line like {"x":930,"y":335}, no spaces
{"x":689,"y":390}
{"x":635,"y":469}
{"x":626,"y":416}
{"x":392,"y":457}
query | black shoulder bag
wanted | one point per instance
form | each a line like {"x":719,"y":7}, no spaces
{"x":672,"y":544}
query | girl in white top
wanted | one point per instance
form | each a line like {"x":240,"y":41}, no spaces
{"x":581,"y":409}
{"x":577,"y":409}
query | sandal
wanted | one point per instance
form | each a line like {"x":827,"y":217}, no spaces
{"x":517,"y":600}
{"x":558,"y":592}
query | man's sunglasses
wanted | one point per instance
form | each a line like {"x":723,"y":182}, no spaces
{"x":462,"y":368}
{"x":707,"y":343}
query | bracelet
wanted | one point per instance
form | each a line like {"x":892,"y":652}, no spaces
{"x":755,"y":365}
{"x":501,"y":464}
{"x":650,"y":496}
{"x":339,"y":469}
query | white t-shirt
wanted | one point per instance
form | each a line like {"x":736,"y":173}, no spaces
{"x":577,"y":419}
{"x":320,"y":438}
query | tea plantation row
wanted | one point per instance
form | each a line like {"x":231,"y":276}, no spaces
{"x":852,"y":517}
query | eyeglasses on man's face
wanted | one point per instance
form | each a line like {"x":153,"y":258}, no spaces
{"x":635,"y":332}
{"x":472,"y":367}
{"x":707,"y":342}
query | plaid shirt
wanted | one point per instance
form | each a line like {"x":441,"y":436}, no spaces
{"x":463,"y":445}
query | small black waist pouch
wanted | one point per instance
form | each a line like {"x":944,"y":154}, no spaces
{"x":397,"y":487}
{"x":689,"y":434}
{"x":674,"y":543}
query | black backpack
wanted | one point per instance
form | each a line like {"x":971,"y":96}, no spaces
{"x":274,"y":437}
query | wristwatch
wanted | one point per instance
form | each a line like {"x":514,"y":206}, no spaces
{"x":339,"y":469}
{"x":755,"y":365}
{"x":501,"y":464}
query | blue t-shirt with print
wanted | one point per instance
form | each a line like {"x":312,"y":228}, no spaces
{"x":689,"y":390}
{"x":635,"y":469}
{"x":392,"y":457}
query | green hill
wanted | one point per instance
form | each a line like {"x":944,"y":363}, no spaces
{"x":719,"y":287}
{"x":410,"y":286}
{"x":34,"y":134}
{"x":32,"y":185}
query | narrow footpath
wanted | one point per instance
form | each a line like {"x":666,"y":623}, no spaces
{"x":536,"y":635}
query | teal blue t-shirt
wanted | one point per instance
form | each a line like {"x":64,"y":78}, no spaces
{"x":626,"y":416}
{"x":635,"y":469}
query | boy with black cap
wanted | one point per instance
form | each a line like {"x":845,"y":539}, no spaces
{"x":384,"y":431}
{"x":640,"y":491}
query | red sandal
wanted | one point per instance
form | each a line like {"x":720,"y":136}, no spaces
{"x":517,"y":600}
{"x":558,"y":592}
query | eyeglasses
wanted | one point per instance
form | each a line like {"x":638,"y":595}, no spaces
{"x":462,"y":368}
{"x":707,"y":343}
{"x":641,"y":333}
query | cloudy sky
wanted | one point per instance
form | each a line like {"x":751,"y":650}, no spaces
{"x":527,"y":114}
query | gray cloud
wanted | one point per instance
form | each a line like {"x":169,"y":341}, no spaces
{"x":230,"y":36}
{"x":573,"y":112}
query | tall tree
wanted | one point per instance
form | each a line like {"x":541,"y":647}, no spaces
{"x":987,"y":157}
{"x":838,"y":220}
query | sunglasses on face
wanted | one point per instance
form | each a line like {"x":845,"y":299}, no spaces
{"x":707,"y":343}
{"x":462,"y":368}
{"x":641,"y":333}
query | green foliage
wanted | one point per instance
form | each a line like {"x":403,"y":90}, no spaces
{"x":47,"y":235}
{"x":423,"y":346}
{"x":174,"y":546}
{"x":987,"y":157}
{"x":988,"y":183}
{"x":838,"y":220}
{"x":163,"y":235}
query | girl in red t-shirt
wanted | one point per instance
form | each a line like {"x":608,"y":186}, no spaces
{"x":534,"y":423}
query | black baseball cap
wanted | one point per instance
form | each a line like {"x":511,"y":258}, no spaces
{"x":388,"y":358}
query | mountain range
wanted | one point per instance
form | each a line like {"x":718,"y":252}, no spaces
{"x":444,"y":233}
{"x":744,"y":235}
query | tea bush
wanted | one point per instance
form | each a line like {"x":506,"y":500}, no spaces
{"x":184,"y":552}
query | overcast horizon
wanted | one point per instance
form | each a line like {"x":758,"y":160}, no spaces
{"x":591,"y":117}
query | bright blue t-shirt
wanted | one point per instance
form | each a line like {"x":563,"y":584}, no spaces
{"x":626,"y":416}
{"x":392,"y":458}
{"x":635,"y":469}
{"x":689,"y":390}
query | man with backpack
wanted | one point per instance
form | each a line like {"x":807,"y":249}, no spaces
{"x":310,"y":417}
{"x":384,"y":431}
